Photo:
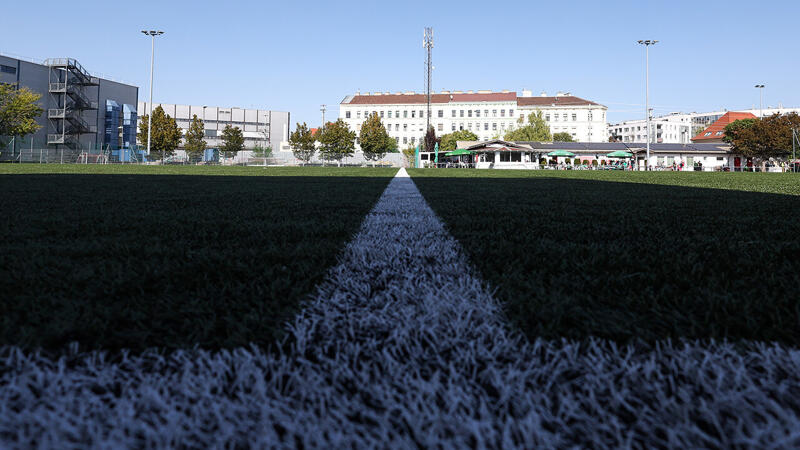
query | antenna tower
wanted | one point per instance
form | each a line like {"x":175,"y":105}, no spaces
{"x":427,"y":43}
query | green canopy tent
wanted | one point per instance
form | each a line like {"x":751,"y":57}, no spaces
{"x":561,"y":153}
{"x":620,"y":154}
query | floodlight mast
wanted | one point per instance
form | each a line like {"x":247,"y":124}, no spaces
{"x":427,"y":43}
{"x":647,"y":43}
{"x":152,"y":34}
{"x":760,"y":88}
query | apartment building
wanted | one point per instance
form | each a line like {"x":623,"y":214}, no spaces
{"x":487,"y":114}
{"x":678,"y":127}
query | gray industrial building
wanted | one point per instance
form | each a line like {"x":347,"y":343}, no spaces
{"x":82,"y":113}
{"x":259,"y":126}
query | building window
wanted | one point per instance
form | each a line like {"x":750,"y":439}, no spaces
{"x":502,"y":113}
{"x":389,"y":114}
{"x":452,"y":127}
{"x":421,"y":114}
{"x":8,"y":69}
{"x":469,"y":113}
{"x":486,"y":126}
{"x":381,"y":114}
{"x":494,"y":125}
{"x":441,"y":113}
{"x":494,"y":113}
{"x":477,"y":113}
{"x":461,"y":113}
{"x":405,"y":140}
{"x":412,"y":140}
{"x":347,"y":114}
{"x":397,"y":127}
{"x":358,"y":114}
{"x":574,"y":117}
{"x":413,"y":114}
{"x":590,"y":116}
{"x":405,"y":114}
{"x":453,"y":111}
{"x":510,"y":113}
{"x":405,"y":127}
{"x":485,"y":113}
{"x":440,"y":127}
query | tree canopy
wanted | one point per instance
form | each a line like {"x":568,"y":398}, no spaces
{"x":165,"y":138}
{"x":302,"y":142}
{"x":536,"y":130}
{"x":447,"y":142}
{"x":430,"y":141}
{"x":762,"y":138}
{"x":232,"y":141}
{"x":563,"y":137}
{"x":18,"y":111}
{"x":337,"y":141}
{"x":194,"y":140}
{"x":375,"y":142}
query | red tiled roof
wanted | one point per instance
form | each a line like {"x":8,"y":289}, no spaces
{"x":403,"y":99}
{"x":717,"y":129}
{"x":565,"y":100}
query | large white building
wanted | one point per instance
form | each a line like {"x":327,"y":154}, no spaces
{"x":258,"y":126}
{"x":677,"y":128}
{"x":487,"y":114}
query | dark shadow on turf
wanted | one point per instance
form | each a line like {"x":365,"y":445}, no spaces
{"x":141,"y":261}
{"x":577,"y":258}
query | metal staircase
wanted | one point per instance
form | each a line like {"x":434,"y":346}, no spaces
{"x":68,"y":88}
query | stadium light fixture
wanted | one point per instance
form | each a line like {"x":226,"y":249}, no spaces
{"x":647,"y":43}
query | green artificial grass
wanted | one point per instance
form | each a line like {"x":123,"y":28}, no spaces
{"x":132,"y":260}
{"x":631,"y":256}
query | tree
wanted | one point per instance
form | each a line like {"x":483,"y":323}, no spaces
{"x":430,"y":141}
{"x":536,"y":130}
{"x":165,"y":138}
{"x":232,"y":141}
{"x":562,"y":137}
{"x":262,"y":151}
{"x":337,"y":141}
{"x":448,"y":141}
{"x":194,"y":144}
{"x":374,"y":140}
{"x":409,"y":154}
{"x":761,"y":139}
{"x":302,"y":142}
{"x":18,"y":111}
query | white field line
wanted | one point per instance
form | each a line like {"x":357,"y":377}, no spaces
{"x":402,"y":346}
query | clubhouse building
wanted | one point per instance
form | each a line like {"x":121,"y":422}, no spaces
{"x":500,"y":154}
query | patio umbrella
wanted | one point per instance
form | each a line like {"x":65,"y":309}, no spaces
{"x":561,"y":153}
{"x":620,"y":154}
{"x":458,"y":152}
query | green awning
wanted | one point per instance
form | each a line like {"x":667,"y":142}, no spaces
{"x":620,"y":154}
{"x":457,"y":152}
{"x":561,"y":153}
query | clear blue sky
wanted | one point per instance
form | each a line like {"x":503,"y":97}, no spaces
{"x":294,"y":56}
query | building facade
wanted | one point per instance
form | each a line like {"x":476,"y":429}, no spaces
{"x":678,"y":128}
{"x":82,"y":112}
{"x":259,"y":126}
{"x":487,"y":114}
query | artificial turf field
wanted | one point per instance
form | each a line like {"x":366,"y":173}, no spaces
{"x":173,"y":257}
{"x":168,"y":257}
{"x":631,"y":256}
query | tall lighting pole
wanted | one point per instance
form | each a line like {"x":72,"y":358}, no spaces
{"x":647,"y":44}
{"x":152,"y":34}
{"x":760,"y":88}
